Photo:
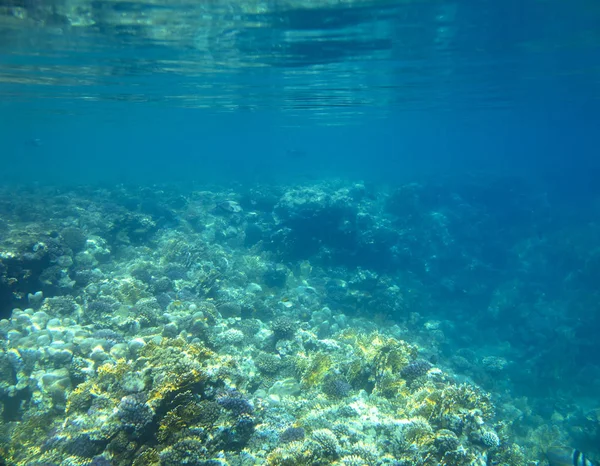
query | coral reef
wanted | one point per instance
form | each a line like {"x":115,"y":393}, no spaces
{"x":246,"y":333}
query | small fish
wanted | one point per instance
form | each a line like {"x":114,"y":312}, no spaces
{"x":295,"y":153}
{"x":229,"y":206}
{"x":565,"y":456}
{"x":34,"y":142}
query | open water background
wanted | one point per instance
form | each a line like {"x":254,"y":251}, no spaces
{"x":132,"y":91}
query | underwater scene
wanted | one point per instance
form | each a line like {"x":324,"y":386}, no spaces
{"x":299,"y":232}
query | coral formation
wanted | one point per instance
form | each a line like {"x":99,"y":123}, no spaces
{"x":245,"y":333}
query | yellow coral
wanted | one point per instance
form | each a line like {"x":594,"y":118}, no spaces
{"x":25,"y":435}
{"x":130,"y":291}
{"x":118,"y":369}
{"x":292,"y":454}
{"x":149,"y":457}
{"x":511,"y":455}
{"x":199,"y":352}
{"x":179,"y":382}
{"x":422,"y":403}
{"x":159,"y":393}
{"x":459,"y":400}
{"x":174,"y":250}
{"x":419,"y":432}
{"x":170,"y":423}
{"x":390,"y":387}
{"x":386,"y":353}
{"x":392,"y":356}
{"x":78,"y":398}
{"x":378,"y":362}
{"x":314,"y":370}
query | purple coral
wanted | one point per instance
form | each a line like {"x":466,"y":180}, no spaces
{"x":415,"y":369}
{"x":336,"y":386}
{"x":235,"y":402}
{"x":292,"y":434}
{"x":134,"y":413}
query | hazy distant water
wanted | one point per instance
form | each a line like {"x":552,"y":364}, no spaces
{"x":127,"y":90}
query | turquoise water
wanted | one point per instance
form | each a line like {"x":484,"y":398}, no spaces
{"x":274,"y":181}
{"x":450,"y":84}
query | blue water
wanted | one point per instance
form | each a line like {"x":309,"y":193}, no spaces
{"x":387,"y":93}
{"x":420,"y":86}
